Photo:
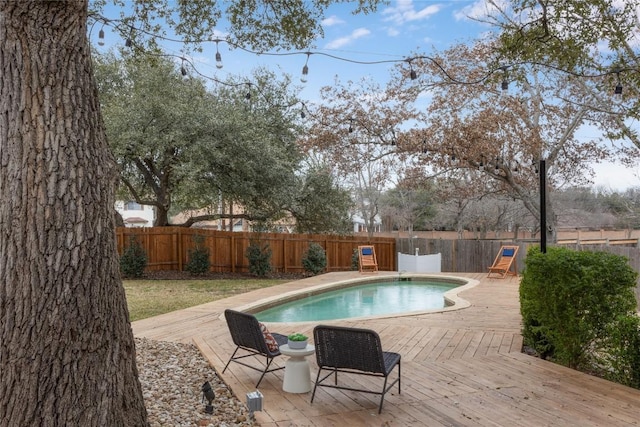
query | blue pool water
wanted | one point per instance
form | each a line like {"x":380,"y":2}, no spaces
{"x":373,"y":299}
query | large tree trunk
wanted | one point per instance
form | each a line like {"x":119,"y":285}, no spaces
{"x":67,"y":355}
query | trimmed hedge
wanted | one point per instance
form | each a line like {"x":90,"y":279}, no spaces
{"x":578,"y":309}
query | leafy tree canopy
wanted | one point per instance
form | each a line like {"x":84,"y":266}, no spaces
{"x":320,"y":205}
{"x":257,"y":24}
{"x":180,"y":145}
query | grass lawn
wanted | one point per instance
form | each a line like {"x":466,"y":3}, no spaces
{"x":147,"y":298}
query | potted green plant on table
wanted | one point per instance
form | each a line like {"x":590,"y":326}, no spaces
{"x":297,"y":341}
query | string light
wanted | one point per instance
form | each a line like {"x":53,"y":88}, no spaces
{"x":218,"y":56}
{"x":618,"y":89}
{"x":412,"y":73}
{"x":505,"y":82}
{"x":183,"y":70}
{"x":101,"y":36}
{"x":305,"y":70}
{"x":118,"y":24}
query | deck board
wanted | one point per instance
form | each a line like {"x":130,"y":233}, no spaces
{"x":459,"y":368}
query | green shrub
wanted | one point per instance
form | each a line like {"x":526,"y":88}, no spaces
{"x":314,"y":260}
{"x":199,"y":262}
{"x":570,"y":301}
{"x":355,"y":260}
{"x":133,"y":260}
{"x":259,"y":257}
{"x":621,"y":361}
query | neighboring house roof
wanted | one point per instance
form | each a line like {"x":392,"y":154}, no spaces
{"x":136,"y":220}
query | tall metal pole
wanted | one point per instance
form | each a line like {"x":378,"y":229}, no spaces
{"x":543,"y":206}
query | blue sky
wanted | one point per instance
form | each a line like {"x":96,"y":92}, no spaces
{"x":395,"y":32}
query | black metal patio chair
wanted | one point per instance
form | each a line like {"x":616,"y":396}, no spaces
{"x":353,"y":351}
{"x":248,"y":336}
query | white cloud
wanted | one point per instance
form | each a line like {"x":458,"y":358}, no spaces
{"x":405,"y":11}
{"x":220,"y":35}
{"x":615,"y":176}
{"x":331,"y":21}
{"x":343,"y":41}
{"x":480,"y":9}
{"x":393,"y":32}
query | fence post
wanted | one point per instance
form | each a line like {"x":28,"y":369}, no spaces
{"x":179,"y":249}
{"x":284,"y":256}
{"x":232,"y":256}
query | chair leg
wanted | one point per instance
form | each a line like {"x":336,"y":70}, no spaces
{"x":230,"y":359}
{"x":266,"y":369}
{"x":315,"y":385}
{"x":384,"y":390}
{"x":399,"y":377}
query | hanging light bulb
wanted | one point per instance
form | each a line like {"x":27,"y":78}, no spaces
{"x":218,"y":57}
{"x":505,"y":82}
{"x":129,"y":40}
{"x":302,"y":113}
{"x":618,"y":89}
{"x":101,"y":36}
{"x":351,"y":125}
{"x":183,"y":70}
{"x":305,"y":70}
{"x":412,"y":73}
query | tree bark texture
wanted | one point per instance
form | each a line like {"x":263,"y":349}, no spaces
{"x":67,"y":355}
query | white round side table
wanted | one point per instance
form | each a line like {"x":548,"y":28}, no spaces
{"x":297,"y":373}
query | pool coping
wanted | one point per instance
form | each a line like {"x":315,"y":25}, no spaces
{"x":452,"y":299}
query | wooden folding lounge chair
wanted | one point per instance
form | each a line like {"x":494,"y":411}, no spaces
{"x":248,"y":335}
{"x":367,"y":259}
{"x":352,"y":351}
{"x":505,"y":262}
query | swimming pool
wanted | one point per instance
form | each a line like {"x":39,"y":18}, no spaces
{"x":377,"y":297}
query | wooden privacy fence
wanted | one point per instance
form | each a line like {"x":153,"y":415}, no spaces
{"x":168,"y":248}
{"x":473,"y":256}
{"x":463,"y":256}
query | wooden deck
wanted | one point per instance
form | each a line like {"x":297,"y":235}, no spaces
{"x":459,"y":368}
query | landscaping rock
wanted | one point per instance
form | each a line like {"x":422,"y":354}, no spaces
{"x":172,"y":375}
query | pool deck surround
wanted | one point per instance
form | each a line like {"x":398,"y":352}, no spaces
{"x":460,"y":367}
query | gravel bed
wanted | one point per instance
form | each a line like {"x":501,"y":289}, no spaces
{"x":172,"y":375}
